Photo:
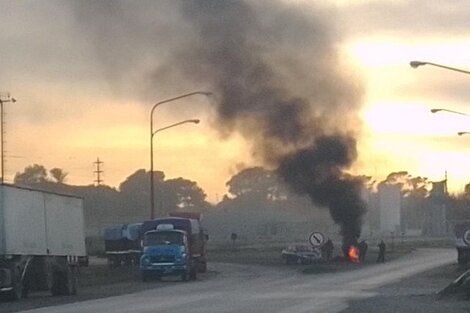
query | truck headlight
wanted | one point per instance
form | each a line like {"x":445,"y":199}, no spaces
{"x":180,"y":258}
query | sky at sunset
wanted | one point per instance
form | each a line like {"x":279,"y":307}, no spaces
{"x":75,"y":104}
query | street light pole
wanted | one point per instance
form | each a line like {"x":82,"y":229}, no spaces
{"x":2,"y":140}
{"x":453,"y":112}
{"x":416,"y":64}
{"x":152,"y":133}
{"x":450,"y":111}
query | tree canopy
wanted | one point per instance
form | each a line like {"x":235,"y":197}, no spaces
{"x":32,"y":175}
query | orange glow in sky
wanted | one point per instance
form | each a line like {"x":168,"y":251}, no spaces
{"x":67,"y":114}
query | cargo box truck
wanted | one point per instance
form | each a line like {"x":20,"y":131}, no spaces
{"x":41,"y":239}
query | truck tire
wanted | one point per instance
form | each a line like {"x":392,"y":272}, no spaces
{"x":71,"y":281}
{"x":184,"y":276}
{"x":202,"y":267}
{"x":17,"y":292}
{"x":193,"y":274}
{"x":64,"y":282}
{"x":144,"y":276}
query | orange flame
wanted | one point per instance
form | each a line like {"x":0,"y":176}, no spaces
{"x":353,"y":254}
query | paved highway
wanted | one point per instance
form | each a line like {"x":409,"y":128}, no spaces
{"x":248,"y":288}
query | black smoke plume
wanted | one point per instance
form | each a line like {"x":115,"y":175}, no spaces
{"x":275,"y":71}
{"x":318,"y":172}
{"x":277,"y":75}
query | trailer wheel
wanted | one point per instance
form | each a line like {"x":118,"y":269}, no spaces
{"x":17,"y":291}
{"x":71,"y":281}
{"x":64,"y":282}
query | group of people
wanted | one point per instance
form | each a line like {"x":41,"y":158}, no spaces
{"x":362,"y":246}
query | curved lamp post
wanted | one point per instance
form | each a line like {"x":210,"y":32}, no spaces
{"x":152,"y":133}
{"x":416,"y":64}
{"x":453,"y":112}
{"x":450,"y":111}
{"x":152,"y":209}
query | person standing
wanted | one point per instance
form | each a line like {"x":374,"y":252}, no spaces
{"x":328,"y":249}
{"x":362,"y":246}
{"x":381,"y":256}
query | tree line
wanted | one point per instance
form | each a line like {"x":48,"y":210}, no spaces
{"x":252,"y":189}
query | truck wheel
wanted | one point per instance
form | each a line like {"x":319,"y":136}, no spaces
{"x":184,"y":276}
{"x":291,"y":259}
{"x":145,"y":276}
{"x":71,"y":281}
{"x":64,"y":282}
{"x":203,"y":267}
{"x":17,"y":291}
{"x":193,"y":274}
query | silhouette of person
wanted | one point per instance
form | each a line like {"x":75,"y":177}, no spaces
{"x":381,"y":256}
{"x":328,"y":249}
{"x":362,"y":246}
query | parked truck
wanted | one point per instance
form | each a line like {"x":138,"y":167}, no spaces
{"x":41,"y":239}
{"x":122,"y":244}
{"x":462,"y":241}
{"x":173,"y":246}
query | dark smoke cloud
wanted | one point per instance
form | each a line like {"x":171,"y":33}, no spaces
{"x":318,"y":172}
{"x":275,"y":71}
{"x":278,"y":80}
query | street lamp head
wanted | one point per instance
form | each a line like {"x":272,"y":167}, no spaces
{"x":195,"y":121}
{"x":462,"y":133}
{"x":415,"y":64}
{"x":206,"y":93}
{"x":435,"y":110}
{"x":13,"y":100}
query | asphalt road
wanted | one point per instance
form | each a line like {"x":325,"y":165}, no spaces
{"x":249,"y":288}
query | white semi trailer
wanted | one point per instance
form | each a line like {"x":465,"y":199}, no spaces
{"x":41,"y":238}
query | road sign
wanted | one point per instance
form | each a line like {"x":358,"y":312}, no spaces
{"x":466,"y":237}
{"x":317,"y":239}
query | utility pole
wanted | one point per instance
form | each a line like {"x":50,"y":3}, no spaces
{"x":3,"y":98}
{"x":98,"y":172}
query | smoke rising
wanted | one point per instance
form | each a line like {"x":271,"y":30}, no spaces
{"x":277,"y":74}
{"x":275,"y":71}
{"x":318,"y":172}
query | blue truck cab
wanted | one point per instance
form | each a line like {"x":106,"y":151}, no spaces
{"x":166,"y":252}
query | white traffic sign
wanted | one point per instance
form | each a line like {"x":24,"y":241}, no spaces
{"x":316,"y":239}
{"x":466,"y":237}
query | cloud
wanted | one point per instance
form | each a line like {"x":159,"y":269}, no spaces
{"x":408,"y":18}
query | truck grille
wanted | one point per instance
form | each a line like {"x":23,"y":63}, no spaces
{"x":162,"y":259}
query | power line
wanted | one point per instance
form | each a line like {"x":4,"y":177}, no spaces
{"x":98,"y":181}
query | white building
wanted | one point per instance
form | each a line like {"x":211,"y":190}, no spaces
{"x":389,"y":209}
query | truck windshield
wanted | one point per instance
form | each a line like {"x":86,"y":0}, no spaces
{"x":163,"y":238}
